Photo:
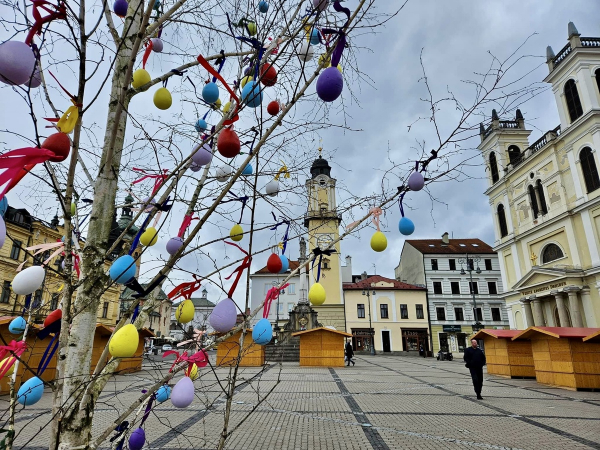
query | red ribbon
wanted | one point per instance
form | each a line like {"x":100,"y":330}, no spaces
{"x":39,"y":21}
{"x":16,"y":349}
{"x":185,"y":224}
{"x":245,"y":265}
{"x":185,"y":290}
{"x":272,"y":294}
{"x":18,"y":163}
{"x":147,"y":53}
{"x":199,"y":358}
{"x":158,"y":178}
{"x":204,"y":63}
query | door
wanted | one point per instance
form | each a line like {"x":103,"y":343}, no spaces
{"x":444,"y":342}
{"x":385,"y":336}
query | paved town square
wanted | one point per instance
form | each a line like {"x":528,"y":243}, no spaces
{"x":383,"y":402}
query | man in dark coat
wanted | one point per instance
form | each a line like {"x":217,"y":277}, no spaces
{"x":349,"y":353}
{"x":474,"y":361}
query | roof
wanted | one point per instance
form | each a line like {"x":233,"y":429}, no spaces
{"x":343,"y":333}
{"x":556,"y":332}
{"x":127,"y":294}
{"x":455,"y":246}
{"x":594,"y":337}
{"x":498,"y":334}
{"x":201,"y":302}
{"x":367,"y":284}
{"x":293,"y":266}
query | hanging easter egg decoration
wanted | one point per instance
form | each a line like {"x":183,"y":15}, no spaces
{"x":263,"y":6}
{"x":185,"y":312}
{"x":163,"y":393}
{"x":273,"y":108}
{"x":174,"y":245}
{"x":73,"y":208}
{"x":217,"y":104}
{"x":320,"y":5}
{"x":124,"y":342}
{"x":252,"y":94}
{"x":226,"y":107}
{"x":202,"y":155}
{"x":36,"y":79}
{"x":120,"y":8}
{"x":3,"y":206}
{"x":122,"y":269}
{"x":201,"y":125}
{"x":272,"y":188}
{"x":251,"y":27}
{"x":162,"y":98}
{"x":223,"y":316}
{"x":330,"y":84}
{"x":262,"y":332}
{"x":305,"y":51}
{"x":285,"y":264}
{"x":314,"y":37}
{"x":193,"y":372}
{"x":4,"y":363}
{"x":137,"y":439}
{"x":378,"y":241}
{"x":140,"y":78}
{"x":268,"y":75}
{"x":195,"y":167}
{"x":59,"y":144}
{"x":17,"y":62}
{"x":54,"y":316}
{"x":210,"y":92}
{"x":2,"y":232}
{"x":245,"y":80}
{"x":236,"y":233}
{"x":17,"y":325}
{"x":406,"y":226}
{"x":183,"y":393}
{"x":30,"y":392}
{"x":149,"y":237}
{"x":157,"y":45}
{"x":274,"y":263}
{"x":247,"y":170}
{"x":28,"y":281}
{"x":325,"y":60}
{"x":316,"y":294}
{"x":416,"y":181}
{"x":223,"y":173}
{"x":228,"y":143}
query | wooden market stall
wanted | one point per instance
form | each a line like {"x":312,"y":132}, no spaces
{"x":562,"y":358}
{"x":322,"y":347}
{"x":506,"y":357}
{"x":253,"y":355}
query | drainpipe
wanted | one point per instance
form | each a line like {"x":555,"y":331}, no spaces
{"x":428,"y":309}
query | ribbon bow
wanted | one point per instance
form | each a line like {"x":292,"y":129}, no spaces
{"x":185,"y":290}
{"x":164,"y":207}
{"x":240,"y":269}
{"x":285,"y":221}
{"x":158,"y":178}
{"x":59,"y":12}
{"x":400,"y":203}
{"x":318,"y":252}
{"x":187,"y":220}
{"x":141,"y":291}
{"x":204,"y":63}
{"x":243,"y":199}
{"x":341,"y":43}
{"x":199,"y":358}
{"x":283,"y":170}
{"x":15,"y":349}
{"x":272,"y":294}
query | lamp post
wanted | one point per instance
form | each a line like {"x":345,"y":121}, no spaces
{"x":367,"y":292}
{"x":470,"y":263}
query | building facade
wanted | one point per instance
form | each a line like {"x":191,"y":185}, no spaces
{"x":159,"y":320}
{"x":203,"y":308}
{"x":464,"y":287}
{"x":545,"y":197}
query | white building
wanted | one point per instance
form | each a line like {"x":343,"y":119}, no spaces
{"x":441,"y":266}
{"x":203,"y":308}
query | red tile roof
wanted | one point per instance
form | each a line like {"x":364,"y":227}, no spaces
{"x":366,"y":284}
{"x":429,"y":246}
{"x":498,"y":334}
{"x":557,"y":332}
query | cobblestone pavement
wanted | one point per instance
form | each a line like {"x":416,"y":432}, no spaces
{"x":384,"y":402}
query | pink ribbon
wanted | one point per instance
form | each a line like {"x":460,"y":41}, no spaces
{"x":43,"y":247}
{"x":185,"y":224}
{"x":158,"y":178}
{"x":272,"y":294}
{"x":14,"y":162}
{"x":196,"y":339}
{"x":375,"y":212}
{"x":16,"y":349}
{"x":199,"y":358}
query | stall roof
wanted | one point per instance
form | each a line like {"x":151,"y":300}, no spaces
{"x":343,"y":333}
{"x":498,"y":334}
{"x":557,"y":332}
{"x":594,"y":337}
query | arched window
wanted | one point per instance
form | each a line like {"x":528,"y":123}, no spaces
{"x":573,"y":102}
{"x":551,"y":252}
{"x":540,"y":191}
{"x":494,"y":167}
{"x":597,"y":74}
{"x":533,"y":201}
{"x":588,"y":167}
{"x":514,"y":155}
{"x":502,"y":221}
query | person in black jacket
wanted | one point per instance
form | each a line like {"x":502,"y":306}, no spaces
{"x":349,"y":353}
{"x":474,"y":361}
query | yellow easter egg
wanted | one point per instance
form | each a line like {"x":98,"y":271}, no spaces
{"x":378,"y":241}
{"x":245,"y":80}
{"x":316,"y":294}
{"x":217,"y":104}
{"x":6,"y":361}
{"x":194,"y":373}
{"x":162,"y":98}
{"x":73,"y":208}
{"x":149,"y":237}
{"x":236,"y":233}
{"x":185,"y":312}
{"x":227,"y":107}
{"x":252,"y":28}
{"x":325,"y":59}
{"x":124,"y":342}
{"x":140,"y":78}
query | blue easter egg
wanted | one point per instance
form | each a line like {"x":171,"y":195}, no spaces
{"x":406,"y":226}
{"x":285,"y":264}
{"x":262,"y":332}
{"x":163,"y":393}
{"x":30,"y":392}
{"x":263,"y":6}
{"x":314,"y":37}
{"x":201,"y":125}
{"x":251,"y":94}
{"x":210,"y":93}
{"x":3,"y":206}
{"x":247,"y":170}
{"x":123,"y":269}
{"x":17,"y":325}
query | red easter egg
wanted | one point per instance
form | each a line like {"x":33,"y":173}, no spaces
{"x":53,"y":317}
{"x":274,"y":263}
{"x":58,"y":143}
{"x":268,"y":75}
{"x":273,"y":108}
{"x":228,"y":143}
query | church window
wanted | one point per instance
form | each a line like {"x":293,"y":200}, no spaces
{"x":589,"y":169}
{"x":597,"y":75}
{"x":533,"y":201}
{"x":542,"y":197}
{"x":494,"y":167}
{"x":514,"y":155}
{"x":573,"y":102}
{"x":551,"y":253}
{"x":502,"y":221}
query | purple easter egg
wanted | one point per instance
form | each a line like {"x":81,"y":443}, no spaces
{"x":36,"y":79}
{"x":120,"y":8}
{"x":320,"y":5}
{"x":182,"y":395}
{"x":157,"y":45}
{"x":17,"y":62}
{"x":137,"y":439}
{"x":203,"y":155}
{"x":195,"y":167}
{"x":174,"y":245}
{"x":416,"y":181}
{"x":330,"y":84}
{"x":223,"y":316}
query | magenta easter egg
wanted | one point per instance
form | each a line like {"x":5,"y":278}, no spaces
{"x":223,"y":316}
{"x":137,"y":439}
{"x":17,"y":62}
{"x":174,"y":245}
{"x":202,"y":155}
{"x":416,"y":181}
{"x":330,"y":84}
{"x":182,"y":395}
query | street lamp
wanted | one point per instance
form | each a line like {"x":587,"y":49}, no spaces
{"x":470,"y":263}
{"x":367,"y":292}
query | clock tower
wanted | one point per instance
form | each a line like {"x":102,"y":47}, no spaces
{"x":323,"y":221}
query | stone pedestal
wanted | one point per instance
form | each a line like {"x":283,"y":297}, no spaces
{"x":302,"y":318}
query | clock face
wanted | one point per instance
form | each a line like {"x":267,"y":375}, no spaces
{"x":324,"y":240}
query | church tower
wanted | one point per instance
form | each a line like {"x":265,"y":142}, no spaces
{"x":322,"y":222}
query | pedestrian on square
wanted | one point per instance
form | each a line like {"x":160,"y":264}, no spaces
{"x":421,"y":351}
{"x":349,"y":353}
{"x":474,"y":361}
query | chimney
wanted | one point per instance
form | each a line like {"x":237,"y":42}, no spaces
{"x":445,"y":240}
{"x":363,"y":276}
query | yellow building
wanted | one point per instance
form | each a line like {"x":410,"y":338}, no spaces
{"x":396,"y":311}
{"x":545,"y":197}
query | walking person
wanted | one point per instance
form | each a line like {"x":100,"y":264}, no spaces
{"x":349,"y":353}
{"x":474,"y":361}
